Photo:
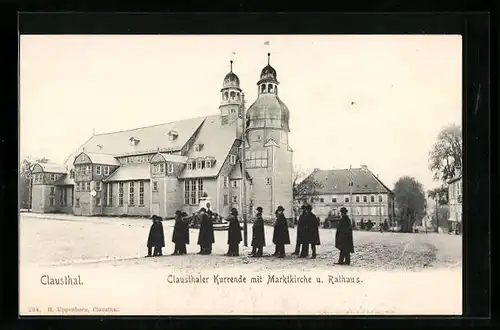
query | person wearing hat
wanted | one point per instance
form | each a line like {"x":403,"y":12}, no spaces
{"x":281,"y":236}
{"x":180,"y":236}
{"x":156,"y":238}
{"x":234,"y":234}
{"x":343,"y":238}
{"x":258,"y":235}
{"x":300,"y":231}
{"x":206,"y":234}
{"x":310,"y":235}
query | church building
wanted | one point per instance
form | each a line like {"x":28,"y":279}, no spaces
{"x":167,"y":167}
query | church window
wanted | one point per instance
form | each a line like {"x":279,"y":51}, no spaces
{"x":98,"y":186}
{"x":357,"y":199}
{"x":233,"y":95}
{"x":226,"y":95}
{"x":238,"y":96}
{"x":131,"y":194}
{"x":372,"y":199}
{"x":234,"y":184}
{"x":120,"y":194}
{"x":141,"y":193}
{"x":170,"y":168}
{"x":232,"y":159}
{"x":106,"y":170}
{"x":268,"y":181}
{"x":263,"y":88}
{"x":235,"y":199}
{"x":270,"y":88}
{"x":226,"y":182}
{"x":98,"y":170}
{"x":256,"y":158}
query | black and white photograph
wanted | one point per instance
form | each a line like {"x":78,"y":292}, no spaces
{"x":240,"y":175}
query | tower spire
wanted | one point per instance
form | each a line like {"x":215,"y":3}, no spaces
{"x":231,"y":65}
{"x":268,"y":58}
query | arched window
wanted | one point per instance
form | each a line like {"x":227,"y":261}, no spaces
{"x":270,"y":88}
{"x":225,"y":96}
{"x":233,"y":95}
{"x":263,"y":88}
{"x":238,"y":95}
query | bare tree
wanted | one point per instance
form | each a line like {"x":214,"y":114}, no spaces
{"x":25,"y":183}
{"x":304,"y":186}
{"x":445,"y":156}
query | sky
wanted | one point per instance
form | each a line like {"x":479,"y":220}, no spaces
{"x":375,"y":100}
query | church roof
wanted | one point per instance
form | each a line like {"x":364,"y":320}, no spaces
{"x":268,"y":106}
{"x":130,"y":172}
{"x":105,"y":159}
{"x":217,"y":140}
{"x":150,"y":139}
{"x":337,"y":181}
{"x":53,"y":168}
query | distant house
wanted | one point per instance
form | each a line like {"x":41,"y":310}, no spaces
{"x":357,"y":189}
{"x":455,"y":201}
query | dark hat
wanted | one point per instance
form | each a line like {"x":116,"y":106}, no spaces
{"x":203,"y":209}
{"x":184,"y":214}
{"x":178,"y":212}
{"x":343,"y":210}
{"x":308,"y":207}
{"x":303,"y":207}
{"x":280,"y":208}
{"x":234,"y":211}
{"x":259,"y":209}
{"x":210,"y":212}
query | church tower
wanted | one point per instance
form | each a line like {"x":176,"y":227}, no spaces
{"x":231,"y":98}
{"x":269,"y":158}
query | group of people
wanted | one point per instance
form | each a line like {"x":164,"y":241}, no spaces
{"x":307,"y":234}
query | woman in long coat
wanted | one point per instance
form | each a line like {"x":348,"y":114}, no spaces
{"x":180,"y":236}
{"x":206,"y":235}
{"x":258,"y":235}
{"x":281,"y":236}
{"x":343,"y":238}
{"x":156,"y":238}
{"x":234,"y":234}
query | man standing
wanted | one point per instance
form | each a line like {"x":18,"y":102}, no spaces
{"x":180,"y":236}
{"x":311,"y":233}
{"x":206,"y":235}
{"x":156,"y":238}
{"x":234,"y":235}
{"x":343,"y":238}
{"x":300,"y":231}
{"x":258,"y":235}
{"x":281,"y":236}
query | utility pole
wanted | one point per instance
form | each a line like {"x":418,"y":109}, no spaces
{"x":244,"y":170}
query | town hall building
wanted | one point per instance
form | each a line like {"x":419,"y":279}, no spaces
{"x":159,"y":169}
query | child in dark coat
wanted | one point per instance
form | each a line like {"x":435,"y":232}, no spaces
{"x":156,"y":238}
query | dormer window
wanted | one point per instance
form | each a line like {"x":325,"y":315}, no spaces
{"x":198,"y":147}
{"x":208,"y":163}
{"x":172,"y":135}
{"x":133,"y":141}
{"x":189,"y":166}
{"x":170,"y":168}
{"x":199,"y":165}
{"x":232,"y":159}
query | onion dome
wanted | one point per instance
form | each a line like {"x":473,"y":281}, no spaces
{"x":268,"y":74}
{"x":231,"y":79}
{"x":268,"y":111}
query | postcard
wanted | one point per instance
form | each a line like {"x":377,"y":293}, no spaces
{"x":240,"y":175}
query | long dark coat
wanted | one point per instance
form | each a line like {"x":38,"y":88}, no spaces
{"x":343,"y":236}
{"x":258,"y":235}
{"x":281,"y":234}
{"x":301,"y":229}
{"x":206,"y":234}
{"x":234,"y":231}
{"x":181,"y":231}
{"x":312,"y":229}
{"x":156,"y":237}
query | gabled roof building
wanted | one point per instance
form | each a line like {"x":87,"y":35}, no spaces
{"x":167,"y":167}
